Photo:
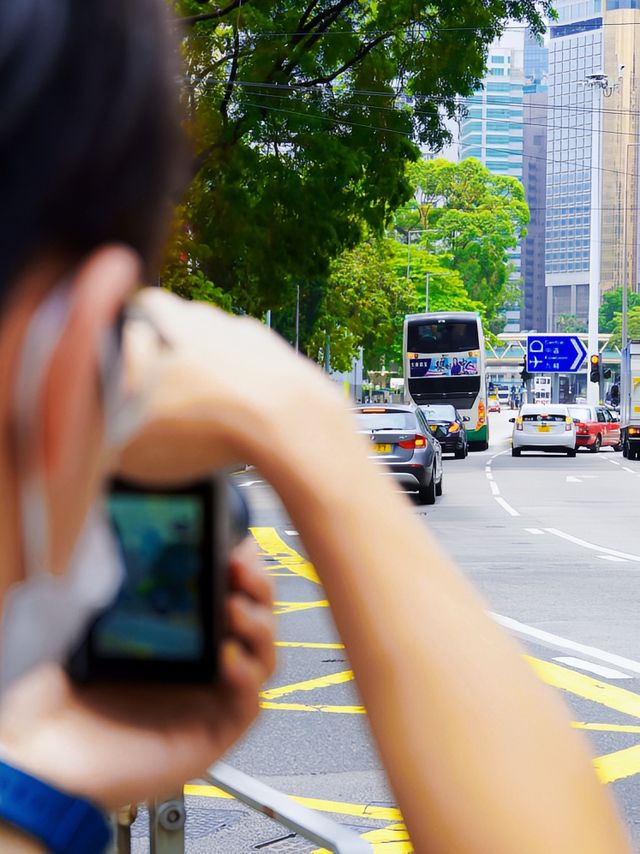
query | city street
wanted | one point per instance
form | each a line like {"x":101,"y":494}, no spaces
{"x":552,"y":544}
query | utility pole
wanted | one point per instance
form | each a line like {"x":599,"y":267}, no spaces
{"x":297,"y":318}
{"x":599,"y":84}
{"x":627,"y":213}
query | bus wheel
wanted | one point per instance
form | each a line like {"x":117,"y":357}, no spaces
{"x":478,"y":446}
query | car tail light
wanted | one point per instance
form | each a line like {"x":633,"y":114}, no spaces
{"x":581,"y":428}
{"x":518,"y":423}
{"x":412,"y":444}
{"x":454,"y":428}
{"x":634,"y":431}
{"x":568,"y":423}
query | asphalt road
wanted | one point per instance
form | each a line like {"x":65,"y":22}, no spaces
{"x":552,"y":543}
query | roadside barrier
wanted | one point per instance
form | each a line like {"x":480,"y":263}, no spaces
{"x":167,"y":817}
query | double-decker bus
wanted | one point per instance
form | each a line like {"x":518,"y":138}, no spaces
{"x":444,"y":362}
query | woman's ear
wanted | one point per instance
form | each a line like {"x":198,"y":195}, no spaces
{"x":71,"y":405}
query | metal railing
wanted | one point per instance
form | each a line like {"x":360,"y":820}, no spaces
{"x":167,"y":817}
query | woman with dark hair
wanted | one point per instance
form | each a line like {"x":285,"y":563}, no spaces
{"x":90,"y":161}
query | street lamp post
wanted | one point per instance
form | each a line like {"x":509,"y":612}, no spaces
{"x":625,"y":287}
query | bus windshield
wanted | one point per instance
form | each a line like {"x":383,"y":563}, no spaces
{"x":442,"y":336}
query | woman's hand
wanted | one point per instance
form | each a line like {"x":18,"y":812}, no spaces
{"x":123,"y":744}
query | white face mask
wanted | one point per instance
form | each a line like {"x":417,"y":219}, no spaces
{"x":45,"y":616}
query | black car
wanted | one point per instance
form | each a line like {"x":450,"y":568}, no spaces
{"x":447,"y":425}
{"x":401,"y":441}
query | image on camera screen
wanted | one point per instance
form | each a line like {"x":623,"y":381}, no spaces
{"x":157,"y":614}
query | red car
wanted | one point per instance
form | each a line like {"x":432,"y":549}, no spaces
{"x":596,"y":427}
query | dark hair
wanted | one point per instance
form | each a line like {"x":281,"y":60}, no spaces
{"x":91,"y":145}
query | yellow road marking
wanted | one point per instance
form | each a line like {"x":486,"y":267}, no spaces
{"x":392,"y":839}
{"x":605,"y":727}
{"x":303,"y":645}
{"x":292,"y":607}
{"x":309,"y":684}
{"x":337,"y":807}
{"x":288,"y":558}
{"x":618,"y":765}
{"x":611,"y":696}
{"x":301,"y":707}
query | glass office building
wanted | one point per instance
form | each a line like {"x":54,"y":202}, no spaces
{"x":492,"y":131}
{"x":575,"y":51}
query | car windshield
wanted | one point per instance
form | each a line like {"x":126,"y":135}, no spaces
{"x":582,"y":413}
{"x":443,"y":413}
{"x":387,"y":420}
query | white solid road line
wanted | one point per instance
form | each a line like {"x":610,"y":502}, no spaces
{"x":489,"y":475}
{"x":571,"y":479}
{"x":625,"y":468}
{"x":534,"y":531}
{"x":613,"y":558}
{"x":506,"y":506}
{"x":590,"y":667}
{"x":592,"y":546}
{"x":522,"y":630}
{"x":494,"y":488}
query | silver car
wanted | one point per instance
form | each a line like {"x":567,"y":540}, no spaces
{"x":543,"y":427}
{"x":401,"y":441}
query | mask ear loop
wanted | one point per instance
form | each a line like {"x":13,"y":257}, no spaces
{"x":43,"y":335}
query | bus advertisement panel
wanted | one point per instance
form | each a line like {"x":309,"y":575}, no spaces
{"x":444,"y":362}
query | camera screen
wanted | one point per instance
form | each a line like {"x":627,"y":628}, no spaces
{"x":157,"y":614}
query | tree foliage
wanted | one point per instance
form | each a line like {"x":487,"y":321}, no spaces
{"x":611,"y":309}
{"x":633,"y":326}
{"x":473,"y":218}
{"x":305,"y":116}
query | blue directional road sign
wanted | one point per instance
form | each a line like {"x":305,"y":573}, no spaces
{"x":555,"y":354}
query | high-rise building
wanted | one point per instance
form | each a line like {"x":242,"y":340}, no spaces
{"x":534,"y":178}
{"x":621,"y":151}
{"x":592,"y":37}
{"x":575,"y":51}
{"x":492,"y":130}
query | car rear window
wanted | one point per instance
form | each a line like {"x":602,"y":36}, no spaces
{"x":386,"y":420}
{"x":439,"y":412}
{"x":548,"y":416}
{"x":442,"y":336}
{"x":580,"y":412}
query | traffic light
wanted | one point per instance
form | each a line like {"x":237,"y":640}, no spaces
{"x":524,"y":373}
{"x":594,"y":374}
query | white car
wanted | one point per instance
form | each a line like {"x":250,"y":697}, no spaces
{"x":543,"y":427}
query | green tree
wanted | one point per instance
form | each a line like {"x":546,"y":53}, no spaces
{"x":475,"y":218}
{"x":633,"y":326}
{"x":363,"y":305}
{"x":611,"y":305}
{"x":305,"y":116}
{"x":571,"y":323}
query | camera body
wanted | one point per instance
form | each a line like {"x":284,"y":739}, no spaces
{"x":167,"y":622}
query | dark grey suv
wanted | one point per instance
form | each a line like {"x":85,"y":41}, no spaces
{"x":401,"y":440}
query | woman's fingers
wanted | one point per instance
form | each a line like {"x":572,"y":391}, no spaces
{"x":253,"y":625}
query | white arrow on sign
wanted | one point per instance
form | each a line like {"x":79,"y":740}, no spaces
{"x":581,"y":353}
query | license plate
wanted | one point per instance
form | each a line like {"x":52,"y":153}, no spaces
{"x":382,"y":449}
{"x":544,"y":428}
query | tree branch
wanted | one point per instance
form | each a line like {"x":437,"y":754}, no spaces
{"x":211,"y":16}
{"x":359,"y":55}
{"x":232,"y":75}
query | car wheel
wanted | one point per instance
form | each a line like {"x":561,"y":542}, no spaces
{"x":596,"y":445}
{"x":479,"y":446}
{"x":427,"y":494}
{"x":625,"y":449}
{"x":439,"y":485}
{"x":461,"y":454}
{"x":618,"y":447}
{"x":515,"y":452}
{"x":571,"y":453}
